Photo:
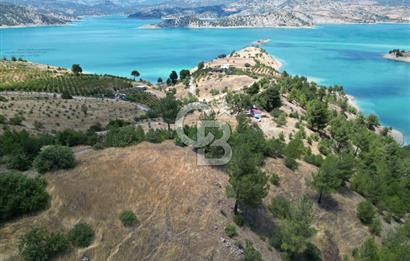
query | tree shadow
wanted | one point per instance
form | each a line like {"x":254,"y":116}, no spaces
{"x":328,"y":203}
{"x":346,"y":192}
{"x":259,"y":220}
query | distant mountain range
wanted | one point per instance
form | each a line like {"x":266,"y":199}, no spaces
{"x":13,"y":15}
{"x":213,"y":13}
{"x":274,"y":13}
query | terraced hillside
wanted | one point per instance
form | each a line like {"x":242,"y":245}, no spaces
{"x":28,"y":77}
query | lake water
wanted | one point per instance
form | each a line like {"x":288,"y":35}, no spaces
{"x":349,"y":55}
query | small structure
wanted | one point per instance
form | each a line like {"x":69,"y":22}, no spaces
{"x":256,"y":113}
{"x":225,"y":66}
{"x":140,"y":88}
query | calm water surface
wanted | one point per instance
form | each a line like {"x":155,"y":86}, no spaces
{"x":349,"y":55}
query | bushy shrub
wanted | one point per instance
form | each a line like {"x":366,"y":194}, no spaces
{"x":276,"y":239}
{"x":71,"y":138}
{"x":20,"y":148}
{"x":274,"y":179}
{"x":158,"y":135}
{"x":291,"y":163}
{"x":295,"y":149}
{"x":53,"y":158}
{"x":365,"y":212}
{"x":128,"y":218}
{"x":18,"y":161}
{"x":230,"y":230}
{"x":214,"y":92}
{"x":122,"y":137}
{"x":39,"y":244}
{"x":280,"y":207}
{"x":250,"y":253}
{"x":325,"y":147}
{"x":21,"y":195}
{"x":274,"y":148}
{"x":313,"y":159}
{"x":238,"y":220}
{"x":81,"y":235}
{"x":117,"y":123}
{"x":376,"y":227}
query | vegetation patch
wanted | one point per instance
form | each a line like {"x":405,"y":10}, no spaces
{"x":39,"y":244}
{"x":81,"y":235}
{"x":128,"y":218}
{"x":21,"y":195}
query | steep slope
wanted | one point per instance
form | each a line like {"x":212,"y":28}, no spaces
{"x":182,"y":208}
{"x":274,"y":13}
{"x":12,"y":15}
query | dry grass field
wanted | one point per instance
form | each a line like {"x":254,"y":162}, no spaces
{"x":181,"y":208}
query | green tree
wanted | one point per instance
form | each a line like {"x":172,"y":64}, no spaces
{"x":81,"y":235}
{"x":76,"y":69}
{"x":39,"y":244}
{"x":174,"y":77}
{"x":54,"y":158}
{"x":168,"y":109}
{"x":372,"y":121}
{"x":21,"y":195}
{"x":340,"y":133}
{"x":135,"y":73}
{"x":270,"y":99}
{"x":128,"y":218}
{"x":160,"y":80}
{"x":247,"y":182}
{"x":317,"y":115}
{"x":201,"y":65}
{"x":184,"y":74}
{"x":296,"y":231}
{"x":365,"y":212}
{"x":327,"y":180}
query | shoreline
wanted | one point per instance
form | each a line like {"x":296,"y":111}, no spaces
{"x":38,"y":25}
{"x":397,"y":135}
{"x":392,"y":57}
{"x":157,"y":26}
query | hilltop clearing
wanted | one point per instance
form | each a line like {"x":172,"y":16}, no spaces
{"x":181,"y":208}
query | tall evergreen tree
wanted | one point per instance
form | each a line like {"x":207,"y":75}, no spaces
{"x":327,"y":179}
{"x":317,"y":115}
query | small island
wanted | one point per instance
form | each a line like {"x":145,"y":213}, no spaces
{"x":398,"y":55}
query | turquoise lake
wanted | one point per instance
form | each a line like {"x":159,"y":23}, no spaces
{"x":348,"y":55}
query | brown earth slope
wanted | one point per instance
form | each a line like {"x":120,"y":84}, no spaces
{"x":182,"y":208}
